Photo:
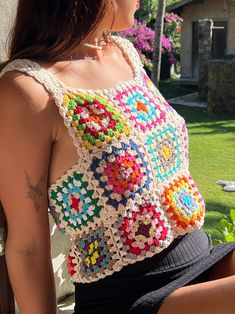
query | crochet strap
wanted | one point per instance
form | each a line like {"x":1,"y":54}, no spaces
{"x":43,"y":76}
{"x":130,"y":50}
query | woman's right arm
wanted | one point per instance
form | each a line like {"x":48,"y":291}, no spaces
{"x":25,"y":145}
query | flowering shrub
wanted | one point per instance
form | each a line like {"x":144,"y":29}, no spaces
{"x":166,"y":44}
{"x":173,"y":18}
{"x":173,"y":32}
{"x":142,"y":37}
{"x":167,"y":48}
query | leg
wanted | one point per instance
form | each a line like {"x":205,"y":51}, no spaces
{"x":224,"y":268}
{"x":211,"y":297}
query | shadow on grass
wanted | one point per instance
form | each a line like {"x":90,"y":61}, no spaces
{"x":169,"y":89}
{"x":195,"y":115}
{"x":214,"y":128}
{"x":206,"y":123}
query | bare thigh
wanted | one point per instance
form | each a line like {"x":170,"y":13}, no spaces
{"x":224,"y":268}
{"x":215,"y":296}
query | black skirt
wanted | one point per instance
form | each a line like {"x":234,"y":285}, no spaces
{"x":141,"y":288}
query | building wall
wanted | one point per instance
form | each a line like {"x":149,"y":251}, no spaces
{"x":7,"y":14}
{"x":217,"y":10}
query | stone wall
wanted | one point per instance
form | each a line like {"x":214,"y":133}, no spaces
{"x":204,"y":55}
{"x":216,"y":10}
{"x":221,"y":87}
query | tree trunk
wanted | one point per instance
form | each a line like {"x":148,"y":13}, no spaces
{"x":157,"y":52}
{"x":7,"y":302}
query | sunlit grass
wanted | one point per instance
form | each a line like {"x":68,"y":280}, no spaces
{"x":212,"y":157}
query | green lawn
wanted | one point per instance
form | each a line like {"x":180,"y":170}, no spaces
{"x":212,"y":157}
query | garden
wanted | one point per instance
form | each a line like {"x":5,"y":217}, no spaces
{"x":211,"y":139}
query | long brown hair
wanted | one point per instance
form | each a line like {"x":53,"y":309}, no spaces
{"x":53,"y":29}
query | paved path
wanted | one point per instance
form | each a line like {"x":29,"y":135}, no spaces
{"x":66,"y":306}
{"x":189,"y":100}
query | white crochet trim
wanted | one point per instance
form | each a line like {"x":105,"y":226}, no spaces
{"x":33,"y":69}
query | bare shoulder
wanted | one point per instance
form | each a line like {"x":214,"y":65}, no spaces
{"x":21,"y":96}
{"x":24,"y":88}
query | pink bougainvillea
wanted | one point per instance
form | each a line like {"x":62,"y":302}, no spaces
{"x":142,"y":36}
{"x":172,"y":17}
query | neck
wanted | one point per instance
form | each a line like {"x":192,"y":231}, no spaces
{"x":95,"y":47}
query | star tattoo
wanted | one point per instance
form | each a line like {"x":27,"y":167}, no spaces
{"x":35,"y":192}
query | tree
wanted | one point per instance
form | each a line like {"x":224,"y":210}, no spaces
{"x":148,"y":9}
{"x":157,"y":52}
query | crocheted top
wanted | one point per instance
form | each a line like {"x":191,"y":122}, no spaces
{"x":130,"y":193}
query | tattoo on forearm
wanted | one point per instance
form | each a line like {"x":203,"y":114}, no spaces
{"x":35,"y":192}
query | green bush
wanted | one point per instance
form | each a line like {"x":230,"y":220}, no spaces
{"x":227,"y":228}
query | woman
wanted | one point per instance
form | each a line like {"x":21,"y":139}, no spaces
{"x":85,"y":133}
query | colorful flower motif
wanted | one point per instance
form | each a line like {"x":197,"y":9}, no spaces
{"x":94,"y":119}
{"x":152,"y":89}
{"x":121,"y":172}
{"x":164,"y":149}
{"x":183,"y":204}
{"x":140,"y":107}
{"x":71,"y":265}
{"x":143,"y":227}
{"x":73,"y":203}
{"x":94,"y":251}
